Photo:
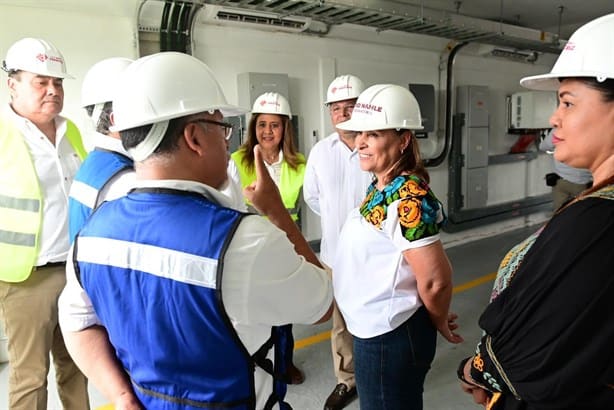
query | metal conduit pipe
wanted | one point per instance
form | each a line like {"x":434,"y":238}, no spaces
{"x":175,"y":26}
{"x":184,"y":29}
{"x":164,"y":27}
{"x":434,"y":162}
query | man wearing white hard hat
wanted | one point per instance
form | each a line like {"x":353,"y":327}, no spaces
{"x":183,"y":291}
{"x":547,"y":332}
{"x":334,"y":185}
{"x":41,"y":151}
{"x":108,"y":171}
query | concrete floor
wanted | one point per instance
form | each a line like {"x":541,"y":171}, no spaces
{"x":472,"y":263}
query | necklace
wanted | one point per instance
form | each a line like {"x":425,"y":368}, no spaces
{"x":271,"y":159}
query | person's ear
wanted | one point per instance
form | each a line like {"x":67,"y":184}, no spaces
{"x":193,"y":138}
{"x":10,"y":82}
{"x":405,"y":140}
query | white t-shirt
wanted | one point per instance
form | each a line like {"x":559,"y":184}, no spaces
{"x":55,"y":167}
{"x":375,"y":288}
{"x":265,"y":283}
{"x":334,"y":184}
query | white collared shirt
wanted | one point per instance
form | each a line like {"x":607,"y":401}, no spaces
{"x":56,"y":167}
{"x":265,"y":283}
{"x":334,"y":185}
{"x":275,"y":168}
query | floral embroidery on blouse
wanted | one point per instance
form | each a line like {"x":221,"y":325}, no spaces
{"x":418,"y":208}
{"x":511,"y":262}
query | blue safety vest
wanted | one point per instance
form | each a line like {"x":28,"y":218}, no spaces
{"x":156,"y":287}
{"x":97,"y":170}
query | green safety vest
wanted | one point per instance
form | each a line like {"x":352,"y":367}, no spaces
{"x":290,"y":184}
{"x":21,"y":202}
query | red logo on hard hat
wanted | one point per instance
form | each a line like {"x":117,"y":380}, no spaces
{"x":343,"y":87}
{"x":368,"y":107}
{"x":44,"y":57}
{"x":265,"y":102}
{"x":570,"y":46}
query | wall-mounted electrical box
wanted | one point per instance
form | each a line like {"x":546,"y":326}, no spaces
{"x":474,"y":102}
{"x":251,"y":85}
{"x":531,"y":109}
{"x":425,"y":94}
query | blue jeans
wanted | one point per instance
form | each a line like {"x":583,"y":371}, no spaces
{"x":390,"y":368}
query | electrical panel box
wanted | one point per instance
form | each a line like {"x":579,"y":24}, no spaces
{"x":475,"y":147}
{"x":473,"y":102}
{"x":251,"y":85}
{"x":532,"y":109}
{"x":425,"y":94}
{"x":475,"y":189}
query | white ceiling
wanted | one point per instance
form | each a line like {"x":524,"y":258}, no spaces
{"x":541,"y":15}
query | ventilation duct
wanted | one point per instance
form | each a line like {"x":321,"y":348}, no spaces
{"x":228,"y":16}
{"x":521,"y":56}
{"x":393,"y":15}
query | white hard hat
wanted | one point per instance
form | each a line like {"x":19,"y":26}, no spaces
{"x":383,"y":107}
{"x":36,"y":56}
{"x":272,"y":103}
{"x":344,"y":87}
{"x":164,"y":86}
{"x":100,"y":81}
{"x":588,"y":53}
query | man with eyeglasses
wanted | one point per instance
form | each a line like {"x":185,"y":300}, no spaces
{"x":171,"y":294}
{"x":334,"y":185}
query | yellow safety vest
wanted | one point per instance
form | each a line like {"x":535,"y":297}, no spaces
{"x":290,"y":184}
{"x":21,"y":202}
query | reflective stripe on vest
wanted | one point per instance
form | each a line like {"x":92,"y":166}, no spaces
{"x":94,"y":174}
{"x":166,"y":277}
{"x":21,"y":202}
{"x":290,"y":183}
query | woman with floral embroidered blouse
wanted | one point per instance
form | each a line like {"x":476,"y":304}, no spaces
{"x":548,"y":332}
{"x":392,"y":277}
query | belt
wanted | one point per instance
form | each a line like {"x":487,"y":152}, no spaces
{"x":50,"y":265}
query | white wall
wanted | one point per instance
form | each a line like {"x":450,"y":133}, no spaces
{"x":87,"y":31}
{"x":312,"y":62}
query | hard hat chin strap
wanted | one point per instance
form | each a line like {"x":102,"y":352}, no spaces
{"x":150,"y":143}
{"x":96,"y":113}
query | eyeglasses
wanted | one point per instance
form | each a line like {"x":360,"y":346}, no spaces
{"x":226,"y":125}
